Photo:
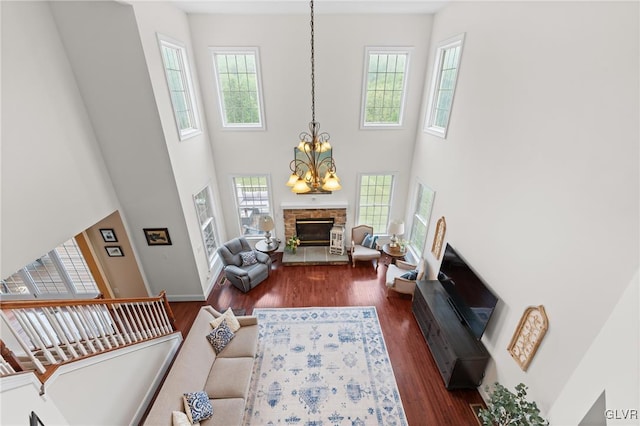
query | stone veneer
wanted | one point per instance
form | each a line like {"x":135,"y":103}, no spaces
{"x":339,"y":217}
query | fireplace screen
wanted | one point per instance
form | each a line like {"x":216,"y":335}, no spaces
{"x":314,"y":232}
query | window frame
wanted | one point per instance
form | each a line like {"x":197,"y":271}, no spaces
{"x":359,"y":205}
{"x":369,"y":50}
{"x":187,"y":80}
{"x":420,"y":189}
{"x":261,"y":126}
{"x":210,"y":221}
{"x":259,"y":234}
{"x":436,"y":84}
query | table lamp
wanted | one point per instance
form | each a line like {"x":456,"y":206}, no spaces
{"x":396,"y":227}
{"x":266,"y":224}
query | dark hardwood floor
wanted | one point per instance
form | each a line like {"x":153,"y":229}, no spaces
{"x":425,"y":399}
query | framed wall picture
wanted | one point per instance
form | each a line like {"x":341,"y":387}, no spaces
{"x":528,"y":335}
{"x":108,"y":235}
{"x":438,"y":239}
{"x":114,"y":251}
{"x":157,"y":236}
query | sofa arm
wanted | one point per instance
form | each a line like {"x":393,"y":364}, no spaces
{"x":246,"y":320}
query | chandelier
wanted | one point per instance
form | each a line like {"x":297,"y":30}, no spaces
{"x":313,"y":169}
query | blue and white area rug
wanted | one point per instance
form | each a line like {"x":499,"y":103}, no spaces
{"x":322,"y":367}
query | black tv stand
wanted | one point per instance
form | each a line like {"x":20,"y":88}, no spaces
{"x":461,"y":358}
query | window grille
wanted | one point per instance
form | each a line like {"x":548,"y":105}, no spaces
{"x":385,"y":87}
{"x":252,"y":201}
{"x":421,"y":216}
{"x":237,"y":75}
{"x":374,"y":201}
{"x":204,"y":210}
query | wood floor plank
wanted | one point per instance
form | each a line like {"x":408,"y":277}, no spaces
{"x":424,"y":397}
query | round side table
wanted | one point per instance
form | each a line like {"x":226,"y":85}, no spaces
{"x":393,"y":252}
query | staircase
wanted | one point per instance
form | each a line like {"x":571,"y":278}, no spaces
{"x":47,"y":334}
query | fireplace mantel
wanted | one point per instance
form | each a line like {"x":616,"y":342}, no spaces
{"x":313,"y":204}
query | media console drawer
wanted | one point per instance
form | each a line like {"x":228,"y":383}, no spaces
{"x":461,"y":358}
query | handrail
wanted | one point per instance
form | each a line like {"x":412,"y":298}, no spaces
{"x":53,"y":332}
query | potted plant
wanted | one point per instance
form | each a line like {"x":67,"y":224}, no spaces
{"x":292,"y":243}
{"x":508,"y":408}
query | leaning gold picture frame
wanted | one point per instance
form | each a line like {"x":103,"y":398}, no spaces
{"x":528,"y":336}
{"x":438,"y":239}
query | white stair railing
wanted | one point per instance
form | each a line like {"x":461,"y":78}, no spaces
{"x":55,"y":332}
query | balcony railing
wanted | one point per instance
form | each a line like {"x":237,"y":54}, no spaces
{"x":51,"y":333}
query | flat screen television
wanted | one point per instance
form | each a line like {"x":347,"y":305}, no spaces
{"x":467,"y":294}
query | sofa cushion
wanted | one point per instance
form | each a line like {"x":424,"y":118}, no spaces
{"x":226,"y":411}
{"x":231,"y":319}
{"x":220,"y":337}
{"x":229,"y":378}
{"x":180,"y":418}
{"x":197,"y":406}
{"x":244,"y":344}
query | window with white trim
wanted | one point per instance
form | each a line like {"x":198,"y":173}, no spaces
{"x":253,"y":201}
{"x":421,"y":216}
{"x":374,"y":200}
{"x":385,"y":82}
{"x":443,"y":85}
{"x":60,"y":273}
{"x":204,"y":210}
{"x":179,"y":82}
{"x":237,"y":74}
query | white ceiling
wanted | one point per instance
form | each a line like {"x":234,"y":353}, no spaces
{"x":302,"y":6}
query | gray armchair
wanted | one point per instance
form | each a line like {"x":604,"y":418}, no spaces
{"x":244,"y":275}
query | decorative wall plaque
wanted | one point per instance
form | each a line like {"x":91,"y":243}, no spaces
{"x":438,"y":239}
{"x":528,"y":336}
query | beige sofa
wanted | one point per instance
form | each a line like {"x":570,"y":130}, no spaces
{"x":225,"y":377}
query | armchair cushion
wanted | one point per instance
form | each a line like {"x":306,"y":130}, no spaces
{"x":411,"y":275}
{"x":369,"y":241}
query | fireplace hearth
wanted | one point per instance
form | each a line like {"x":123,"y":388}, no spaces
{"x":314,"y":232}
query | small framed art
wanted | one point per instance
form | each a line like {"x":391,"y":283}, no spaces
{"x":114,"y":251}
{"x":108,"y":235}
{"x":157,"y":236}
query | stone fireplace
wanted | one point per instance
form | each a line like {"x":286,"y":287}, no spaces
{"x":291,"y":216}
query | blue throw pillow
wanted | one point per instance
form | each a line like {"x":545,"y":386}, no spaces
{"x":369,"y":241}
{"x":411,"y":275}
{"x":220,"y":336}
{"x":197,"y":406}
{"x":248,"y":258}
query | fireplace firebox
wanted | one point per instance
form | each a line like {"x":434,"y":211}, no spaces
{"x":314,"y":232}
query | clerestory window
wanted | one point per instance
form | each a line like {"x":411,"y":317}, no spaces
{"x":443,"y":85}
{"x":385,"y":82}
{"x":183,"y":101}
{"x":237,"y":74}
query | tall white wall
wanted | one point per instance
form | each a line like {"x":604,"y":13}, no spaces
{"x":54,"y":180}
{"x":283,"y":42}
{"x":538,"y":177}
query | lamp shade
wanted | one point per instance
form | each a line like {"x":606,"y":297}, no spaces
{"x":396,"y":227}
{"x":266,"y":223}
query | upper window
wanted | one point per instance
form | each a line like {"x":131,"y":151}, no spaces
{"x":385,"y":85}
{"x":443,"y":85}
{"x":421,"y":216}
{"x":374,"y":201}
{"x":253,"y":201}
{"x":238,"y":78}
{"x":176,"y":67}
{"x":60,"y":273}
{"x":204,"y":210}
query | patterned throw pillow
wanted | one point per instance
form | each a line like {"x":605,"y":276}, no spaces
{"x":248,"y":258}
{"x":230,"y":318}
{"x":220,"y":337}
{"x":411,"y":275}
{"x":369,"y":241}
{"x":197,"y":406}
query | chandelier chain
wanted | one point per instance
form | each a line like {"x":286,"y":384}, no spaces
{"x":313,"y":80}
